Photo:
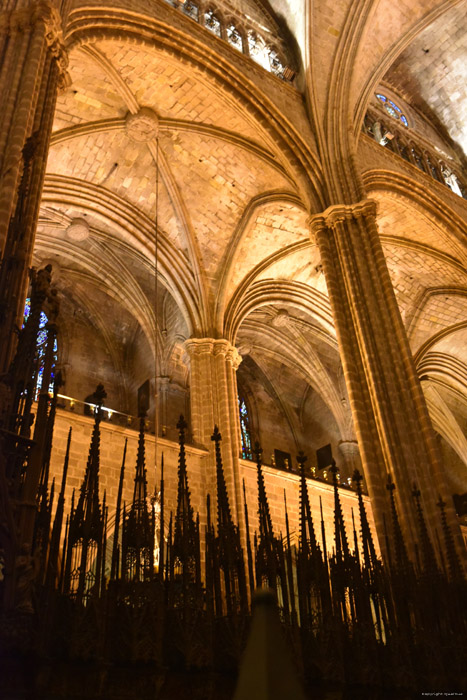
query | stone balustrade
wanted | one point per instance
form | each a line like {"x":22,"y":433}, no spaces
{"x":406,"y":144}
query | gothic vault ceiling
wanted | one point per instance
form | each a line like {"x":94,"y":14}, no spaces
{"x":144,"y":141}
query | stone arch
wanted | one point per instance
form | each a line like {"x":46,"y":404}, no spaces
{"x":268,"y":292}
{"x":86,"y":25}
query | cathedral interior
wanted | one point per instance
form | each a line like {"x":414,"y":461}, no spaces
{"x":251,"y":214}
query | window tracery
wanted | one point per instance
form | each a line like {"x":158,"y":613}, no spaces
{"x":212,"y":22}
{"x":426,"y":160}
{"x":234,"y":37}
{"x":258,"y":50}
{"x":251,"y":44}
{"x":191,"y":9}
{"x":41,"y":345}
{"x":392,"y":109}
{"x":276,"y":65}
{"x":245,"y":430}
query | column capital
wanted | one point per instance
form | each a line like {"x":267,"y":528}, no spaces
{"x":47,"y":14}
{"x":213,"y":347}
{"x":338,"y":213}
{"x":38,"y":12}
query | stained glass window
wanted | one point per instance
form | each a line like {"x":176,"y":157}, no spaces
{"x":212,"y":22}
{"x":245,"y":429}
{"x":392,"y":109}
{"x":41,"y":345}
{"x":234,"y":37}
{"x":398,"y":109}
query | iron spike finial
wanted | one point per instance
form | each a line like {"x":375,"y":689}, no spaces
{"x":216,"y":436}
{"x":258,"y":451}
{"x":182,"y":424}
{"x":358,"y":478}
{"x":99,"y":396}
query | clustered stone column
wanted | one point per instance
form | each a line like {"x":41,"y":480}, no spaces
{"x":214,"y":401}
{"x":32,"y":71}
{"x":391,"y":419}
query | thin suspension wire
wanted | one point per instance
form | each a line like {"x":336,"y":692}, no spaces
{"x":156,"y":299}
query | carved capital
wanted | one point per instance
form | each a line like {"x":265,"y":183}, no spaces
{"x":338,"y":213}
{"x":214,"y":347}
{"x":198,"y":346}
{"x":234,"y":357}
{"x":317,"y":224}
{"x":39,"y":12}
{"x":42,"y":12}
{"x":47,"y":13}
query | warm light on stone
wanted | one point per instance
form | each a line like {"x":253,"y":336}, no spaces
{"x":143,"y":126}
{"x":78,"y":230}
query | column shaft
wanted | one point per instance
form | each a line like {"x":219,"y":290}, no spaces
{"x":213,"y":393}
{"x":31,"y":76}
{"x":391,"y":419}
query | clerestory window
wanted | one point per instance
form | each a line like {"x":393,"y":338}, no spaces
{"x":191,"y":9}
{"x":258,"y":50}
{"x":234,"y":37}
{"x":392,"y":109}
{"x":212,"y":22}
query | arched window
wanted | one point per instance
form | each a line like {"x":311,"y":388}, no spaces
{"x":234,"y":37}
{"x":191,"y":9}
{"x":276,"y":65}
{"x":392,"y":109}
{"x":41,"y":345}
{"x":247,"y":452}
{"x":258,"y":50}
{"x":212,"y":22}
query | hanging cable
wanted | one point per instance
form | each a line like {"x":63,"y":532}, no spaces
{"x":156,"y":299}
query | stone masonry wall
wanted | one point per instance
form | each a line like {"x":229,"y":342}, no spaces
{"x":112,"y":443}
{"x":279,"y":483}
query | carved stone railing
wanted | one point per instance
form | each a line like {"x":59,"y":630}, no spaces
{"x":196,"y":10}
{"x":406,"y":144}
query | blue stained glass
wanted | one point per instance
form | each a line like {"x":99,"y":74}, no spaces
{"x":27,"y":310}
{"x":245,"y":430}
{"x":41,"y":337}
{"x":395,"y":106}
{"x":392,"y":109}
{"x":41,"y":344}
